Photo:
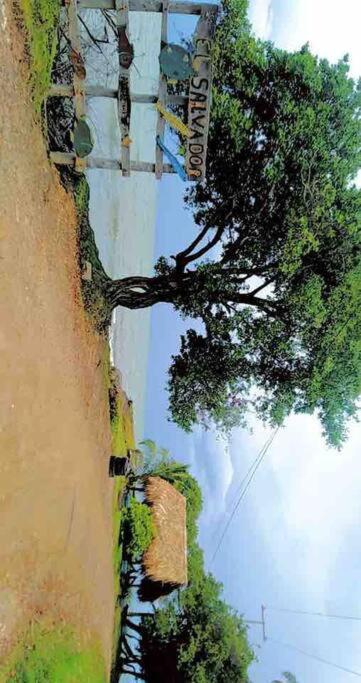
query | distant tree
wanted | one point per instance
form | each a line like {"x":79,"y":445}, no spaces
{"x":288,"y":678}
{"x":273,"y":275}
{"x":196,"y":639}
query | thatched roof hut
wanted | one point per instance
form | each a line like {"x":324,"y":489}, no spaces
{"x":165,"y":561}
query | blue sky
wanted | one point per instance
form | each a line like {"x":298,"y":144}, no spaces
{"x":295,"y":540}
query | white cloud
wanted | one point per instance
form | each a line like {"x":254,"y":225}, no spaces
{"x":211,"y":464}
{"x":331,"y":30}
{"x":304,"y":496}
{"x":260,"y":15}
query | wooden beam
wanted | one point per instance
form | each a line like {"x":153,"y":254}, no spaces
{"x":58,"y":90}
{"x":149,"y":6}
{"x":124,"y":103}
{"x":74,"y":37}
{"x":162,"y":94}
{"x":68,"y":159}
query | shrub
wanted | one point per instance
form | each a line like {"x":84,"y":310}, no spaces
{"x":138,"y":529}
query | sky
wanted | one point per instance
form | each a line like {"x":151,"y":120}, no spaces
{"x":294,"y":542}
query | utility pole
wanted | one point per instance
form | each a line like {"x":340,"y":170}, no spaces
{"x":261,"y":622}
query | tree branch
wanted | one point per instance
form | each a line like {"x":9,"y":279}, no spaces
{"x":262,"y":286}
{"x":207,"y":247}
{"x":183,"y":254}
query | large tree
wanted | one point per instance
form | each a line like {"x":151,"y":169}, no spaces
{"x":273,"y":274}
{"x":196,"y":638}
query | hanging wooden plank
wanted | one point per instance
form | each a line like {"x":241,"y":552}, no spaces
{"x":68,"y":159}
{"x":149,"y":6}
{"x":200,"y":90}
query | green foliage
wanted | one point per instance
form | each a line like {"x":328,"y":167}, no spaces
{"x":138,"y":529}
{"x":198,"y":639}
{"x":280,"y":297}
{"x":93,"y":290}
{"x":53,"y":655}
{"x":41,"y":19}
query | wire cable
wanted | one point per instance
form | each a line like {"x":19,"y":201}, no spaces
{"x":259,"y":460}
{"x":243,"y":481}
{"x":314,"y":614}
{"x":316,"y":657}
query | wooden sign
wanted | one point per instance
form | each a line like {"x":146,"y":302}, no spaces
{"x":200,"y":90}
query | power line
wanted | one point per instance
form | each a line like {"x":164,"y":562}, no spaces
{"x":240,"y":487}
{"x":243,"y":481}
{"x":314,"y":614}
{"x":312,"y":656}
{"x":254,"y":469}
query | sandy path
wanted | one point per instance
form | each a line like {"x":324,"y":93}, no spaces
{"x":55,"y":495}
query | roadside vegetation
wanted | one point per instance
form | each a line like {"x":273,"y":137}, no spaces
{"x":53,"y":654}
{"x":121,"y":422}
{"x":40,"y":19}
{"x":192,"y":635}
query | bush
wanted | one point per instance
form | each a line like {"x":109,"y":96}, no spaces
{"x":138,"y":529}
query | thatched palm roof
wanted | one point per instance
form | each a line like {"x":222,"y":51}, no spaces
{"x":165,"y":561}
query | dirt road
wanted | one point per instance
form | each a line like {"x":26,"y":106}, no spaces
{"x":55,"y":494}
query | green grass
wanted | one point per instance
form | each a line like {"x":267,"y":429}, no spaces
{"x":40,"y":19}
{"x":53,"y":655}
{"x":92,"y":292}
{"x":122,"y":439}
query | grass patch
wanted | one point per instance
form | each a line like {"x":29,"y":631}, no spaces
{"x":54,"y":655}
{"x":121,"y":420}
{"x":41,"y":19}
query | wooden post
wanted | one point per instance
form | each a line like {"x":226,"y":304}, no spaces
{"x":79,"y":97}
{"x":124,"y":103}
{"x":162,"y":95}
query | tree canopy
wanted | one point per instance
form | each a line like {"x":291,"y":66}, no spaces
{"x":272,"y":278}
{"x":198,"y":639}
{"x":280,"y":292}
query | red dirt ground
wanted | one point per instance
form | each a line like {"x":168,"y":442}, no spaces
{"x":55,"y":494}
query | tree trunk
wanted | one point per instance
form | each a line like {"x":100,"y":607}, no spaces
{"x":143,"y":292}
{"x":139,"y":292}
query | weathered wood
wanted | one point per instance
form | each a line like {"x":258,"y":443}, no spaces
{"x":124,"y":102}
{"x":162,"y":94}
{"x":68,"y":159}
{"x":148,"y":6}
{"x":58,"y":90}
{"x":74,"y":37}
{"x":200,"y":92}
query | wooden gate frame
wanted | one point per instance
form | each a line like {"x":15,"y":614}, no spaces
{"x":198,"y":98}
